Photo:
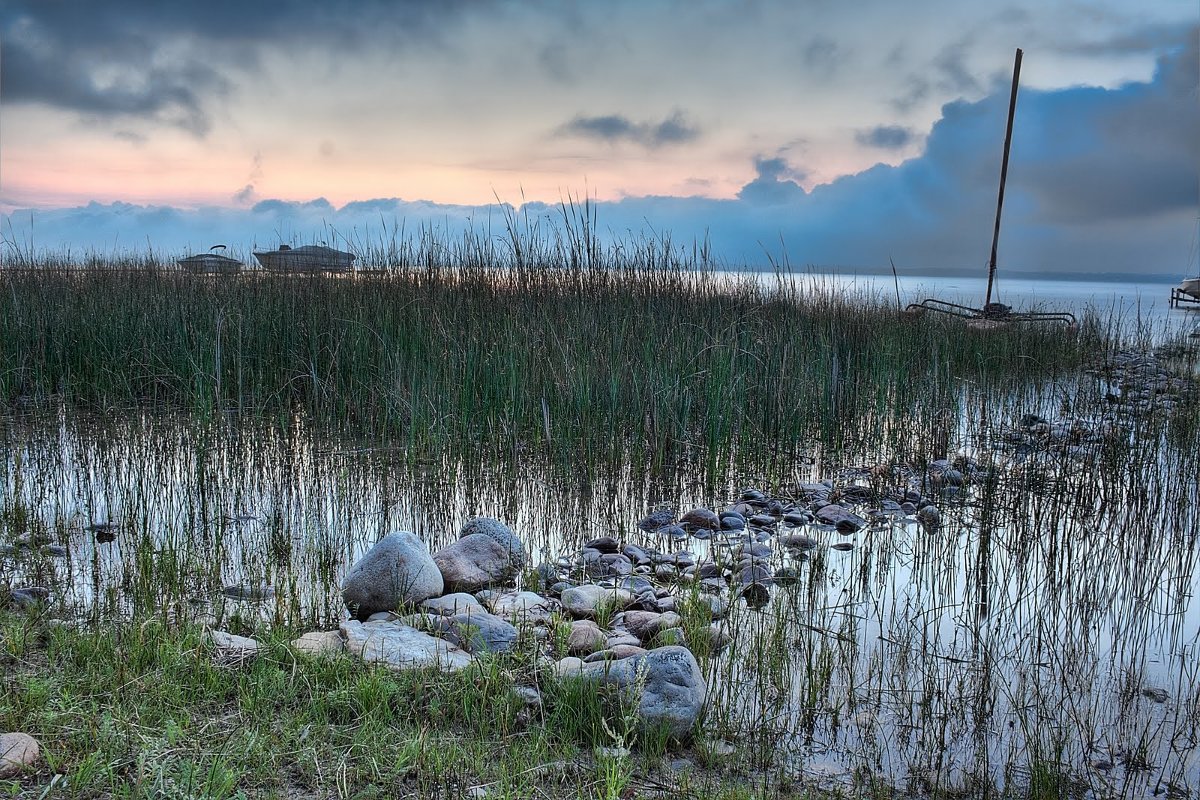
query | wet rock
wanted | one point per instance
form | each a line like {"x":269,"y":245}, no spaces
{"x":666,"y":684}
{"x":29,"y":598}
{"x":398,"y":571}
{"x":700,"y":519}
{"x":797,"y":541}
{"x":53,"y":550}
{"x":1155,"y":694}
{"x":615,"y":564}
{"x":318,"y":643}
{"x":584,"y":601}
{"x":842,"y":546}
{"x":450,"y":604}
{"x":672,"y":532}
{"x":603,"y":545}
{"x":249,"y":591}
{"x":502,"y":535}
{"x":17,"y":752}
{"x":655,"y":521}
{"x":733,"y":522}
{"x":930,"y":518}
{"x":636,"y":555}
{"x":399,"y":646}
{"x":841,"y":518}
{"x":585,"y":638}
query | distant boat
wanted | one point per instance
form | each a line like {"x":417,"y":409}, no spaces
{"x":309,"y":258}
{"x":210,"y":262}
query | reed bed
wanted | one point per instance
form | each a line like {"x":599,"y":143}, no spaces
{"x":538,"y":336}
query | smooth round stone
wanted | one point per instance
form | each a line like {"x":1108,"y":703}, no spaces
{"x":702,"y":534}
{"x":604,"y":544}
{"x":842,"y":546}
{"x":752,"y":495}
{"x":17,"y":751}
{"x":733,"y":523}
{"x":673,"y":532}
{"x":797,"y":541}
{"x":700,"y":518}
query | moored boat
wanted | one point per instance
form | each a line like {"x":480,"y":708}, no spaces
{"x":309,"y":258}
{"x":211,"y":263}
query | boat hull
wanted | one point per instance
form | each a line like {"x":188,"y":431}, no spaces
{"x":1190,"y":287}
{"x":210,"y":264}
{"x":306,"y":260}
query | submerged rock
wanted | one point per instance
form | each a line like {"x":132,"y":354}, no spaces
{"x":398,"y":571}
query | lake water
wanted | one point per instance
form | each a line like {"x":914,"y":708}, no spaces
{"x":1048,"y":623}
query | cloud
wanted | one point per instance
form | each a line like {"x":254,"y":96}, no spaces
{"x":774,"y":183}
{"x":169,"y":61}
{"x":885,"y":137}
{"x":1101,"y":180}
{"x":614,"y":128}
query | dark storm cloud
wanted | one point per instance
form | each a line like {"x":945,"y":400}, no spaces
{"x":885,"y":137}
{"x":165,"y":61}
{"x":614,"y":128}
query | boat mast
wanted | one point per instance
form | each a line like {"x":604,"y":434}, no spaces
{"x":1012,"y":110}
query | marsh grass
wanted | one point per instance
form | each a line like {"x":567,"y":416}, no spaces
{"x":541,"y":335}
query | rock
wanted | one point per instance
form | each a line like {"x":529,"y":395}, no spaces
{"x":614,"y":653}
{"x":668,"y":637}
{"x":645,"y":624}
{"x":583,"y":601}
{"x":17,"y":751}
{"x":528,"y":695}
{"x":450,"y":604}
{"x":502,"y":535}
{"x":930,"y":518}
{"x":841,"y":518}
{"x":604,"y":545}
{"x":29,"y":597}
{"x":475,"y":562}
{"x":398,"y":571}
{"x":622,"y":638}
{"x":526,"y":607}
{"x":636,"y":554}
{"x":248,"y":591}
{"x":399,"y":646}
{"x":666,"y":684}
{"x":585,"y":638}
{"x":700,"y":518}
{"x":480,"y":632}
{"x":319,"y":643}
{"x":569,"y":667}
{"x":659,"y":519}
{"x":233,"y":650}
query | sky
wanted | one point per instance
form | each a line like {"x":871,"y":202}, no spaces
{"x":834,"y":135}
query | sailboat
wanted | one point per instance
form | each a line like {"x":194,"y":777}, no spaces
{"x":994,"y":314}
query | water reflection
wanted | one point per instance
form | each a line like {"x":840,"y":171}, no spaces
{"x":1047,"y":625}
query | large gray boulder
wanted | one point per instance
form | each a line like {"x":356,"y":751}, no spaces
{"x":398,"y":571}
{"x":398,"y":646}
{"x":666,"y":684}
{"x":500,"y":533}
{"x":474,"y":562}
